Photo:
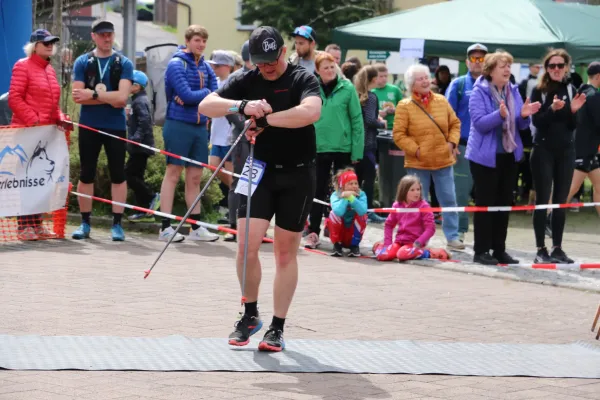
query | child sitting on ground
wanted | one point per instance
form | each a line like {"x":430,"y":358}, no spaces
{"x":348,"y":217}
{"x":415,"y":229}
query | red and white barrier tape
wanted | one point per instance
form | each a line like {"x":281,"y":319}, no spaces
{"x":377,"y":210}
{"x":483,"y":209}
{"x":269,"y":240}
{"x":175,"y":217}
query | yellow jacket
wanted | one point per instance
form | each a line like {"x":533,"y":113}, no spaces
{"x":414,"y":130}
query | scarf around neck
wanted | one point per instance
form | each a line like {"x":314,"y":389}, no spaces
{"x":423,"y":98}
{"x":509,"y":123}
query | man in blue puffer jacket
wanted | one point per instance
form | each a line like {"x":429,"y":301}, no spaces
{"x":188,"y":80}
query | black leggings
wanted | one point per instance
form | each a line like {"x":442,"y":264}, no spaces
{"x":366,"y":172}
{"x":324,"y":163}
{"x":552,"y":172}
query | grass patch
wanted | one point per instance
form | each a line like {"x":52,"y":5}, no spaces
{"x":169,"y":28}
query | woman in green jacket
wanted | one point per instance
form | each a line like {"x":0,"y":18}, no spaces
{"x":340,"y":135}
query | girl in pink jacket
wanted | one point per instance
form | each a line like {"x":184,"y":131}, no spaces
{"x":415,"y":229}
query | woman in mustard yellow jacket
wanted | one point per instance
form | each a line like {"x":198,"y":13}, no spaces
{"x":428,"y":130}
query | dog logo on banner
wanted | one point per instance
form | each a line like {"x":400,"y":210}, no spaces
{"x":39,"y":163}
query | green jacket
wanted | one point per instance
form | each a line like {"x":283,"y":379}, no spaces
{"x":340,"y":128}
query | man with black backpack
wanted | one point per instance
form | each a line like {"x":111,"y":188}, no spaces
{"x":102,"y":81}
{"x":458,"y":95}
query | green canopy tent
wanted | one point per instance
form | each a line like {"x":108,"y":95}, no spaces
{"x":525,"y":28}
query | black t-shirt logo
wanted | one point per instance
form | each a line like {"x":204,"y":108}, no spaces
{"x":269,"y":44}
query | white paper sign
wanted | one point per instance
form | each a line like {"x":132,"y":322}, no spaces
{"x":34,"y":170}
{"x":258,"y":170}
{"x":412,"y":48}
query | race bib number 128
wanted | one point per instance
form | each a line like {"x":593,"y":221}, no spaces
{"x":258,"y":170}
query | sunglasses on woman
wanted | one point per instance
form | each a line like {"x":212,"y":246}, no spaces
{"x":554,"y":66}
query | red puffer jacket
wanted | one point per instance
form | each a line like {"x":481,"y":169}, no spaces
{"x":34,"y":92}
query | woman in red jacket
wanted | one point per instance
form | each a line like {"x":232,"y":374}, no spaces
{"x":33,"y":97}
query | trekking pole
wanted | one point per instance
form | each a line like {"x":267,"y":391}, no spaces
{"x":247,"y":230}
{"x":189,"y":211}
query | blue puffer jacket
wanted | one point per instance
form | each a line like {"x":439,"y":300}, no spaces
{"x":191,"y":83}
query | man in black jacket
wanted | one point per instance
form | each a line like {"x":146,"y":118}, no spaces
{"x":139,"y":125}
{"x":587,"y":137}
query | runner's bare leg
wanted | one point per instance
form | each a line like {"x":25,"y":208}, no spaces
{"x":258,"y":229}
{"x":286,"y":245}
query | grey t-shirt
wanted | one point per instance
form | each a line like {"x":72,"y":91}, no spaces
{"x":308,"y":64}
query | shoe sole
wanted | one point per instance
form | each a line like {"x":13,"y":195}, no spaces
{"x":233,"y":342}
{"x":80,"y":237}
{"x":354,"y":255}
{"x":262,"y":346}
{"x":337,"y":255}
{"x":174,"y":240}
{"x":202,"y":240}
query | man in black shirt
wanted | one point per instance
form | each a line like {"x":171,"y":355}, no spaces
{"x":283,"y":101}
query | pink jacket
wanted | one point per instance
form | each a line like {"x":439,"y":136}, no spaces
{"x":411,"y":226}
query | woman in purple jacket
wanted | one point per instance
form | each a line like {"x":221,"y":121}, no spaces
{"x":493,"y":150}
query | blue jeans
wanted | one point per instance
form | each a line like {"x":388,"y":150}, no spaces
{"x":464,"y":183}
{"x":443,"y":179}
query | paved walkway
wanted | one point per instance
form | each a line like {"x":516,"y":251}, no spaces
{"x":96,"y":288}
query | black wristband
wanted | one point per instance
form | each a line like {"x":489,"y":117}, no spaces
{"x":242,"y":106}
{"x":261,"y":123}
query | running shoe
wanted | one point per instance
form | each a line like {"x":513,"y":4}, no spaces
{"x":337,"y":250}
{"x":354,"y":251}
{"x":542,"y":257}
{"x":117,"y":234}
{"x":27,"y":234}
{"x":272,"y":341}
{"x":165,"y":234}
{"x":559,"y":255}
{"x":312,"y":241}
{"x":83,"y":232}
{"x":202,"y":235}
{"x":244,"y":328}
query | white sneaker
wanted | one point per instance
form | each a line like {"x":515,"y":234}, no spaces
{"x":456,"y":244}
{"x":166,"y":234}
{"x":312,"y":241}
{"x":202,"y":235}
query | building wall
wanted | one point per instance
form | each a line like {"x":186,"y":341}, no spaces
{"x":218,"y":17}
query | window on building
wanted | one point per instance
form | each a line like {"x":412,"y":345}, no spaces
{"x":238,"y":14}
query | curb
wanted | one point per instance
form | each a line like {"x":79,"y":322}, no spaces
{"x":516,"y":274}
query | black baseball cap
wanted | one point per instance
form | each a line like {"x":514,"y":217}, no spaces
{"x":265,"y":44}
{"x":42,"y":35}
{"x":593,"y":68}
{"x":102,"y":26}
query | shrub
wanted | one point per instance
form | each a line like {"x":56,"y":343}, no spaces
{"x":155,"y":172}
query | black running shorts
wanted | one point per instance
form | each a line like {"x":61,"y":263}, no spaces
{"x":587,"y":164}
{"x":285,"y":193}
{"x":90,"y":145}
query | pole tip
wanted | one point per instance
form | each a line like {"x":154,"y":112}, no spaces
{"x":146,"y":273}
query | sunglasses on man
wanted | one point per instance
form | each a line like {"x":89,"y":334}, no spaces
{"x":474,"y":59}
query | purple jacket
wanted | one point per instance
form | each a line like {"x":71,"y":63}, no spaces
{"x":485,"y":121}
